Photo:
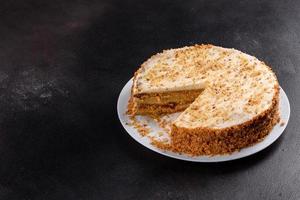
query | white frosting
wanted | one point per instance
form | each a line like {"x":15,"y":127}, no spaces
{"x":237,"y":86}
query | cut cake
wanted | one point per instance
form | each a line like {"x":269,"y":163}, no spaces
{"x":229,"y":99}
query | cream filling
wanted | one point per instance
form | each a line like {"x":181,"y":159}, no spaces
{"x":178,"y":87}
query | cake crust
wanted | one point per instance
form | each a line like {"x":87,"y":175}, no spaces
{"x":209,"y":141}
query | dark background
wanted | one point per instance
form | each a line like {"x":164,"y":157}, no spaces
{"x":63,"y":64}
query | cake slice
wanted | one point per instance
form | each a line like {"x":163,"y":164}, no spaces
{"x":229,"y":99}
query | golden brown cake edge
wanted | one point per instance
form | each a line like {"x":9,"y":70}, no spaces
{"x":209,"y":141}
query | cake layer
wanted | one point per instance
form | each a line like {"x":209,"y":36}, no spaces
{"x":161,"y":103}
{"x":156,"y":109}
{"x":178,"y":97}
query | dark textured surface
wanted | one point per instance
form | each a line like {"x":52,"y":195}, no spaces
{"x":63,"y":64}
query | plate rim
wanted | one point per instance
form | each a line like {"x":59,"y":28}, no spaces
{"x":206,"y":159}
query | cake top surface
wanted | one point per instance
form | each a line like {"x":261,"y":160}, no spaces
{"x":171,"y":70}
{"x":237,"y":86}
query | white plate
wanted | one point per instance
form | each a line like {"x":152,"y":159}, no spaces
{"x":145,"y":141}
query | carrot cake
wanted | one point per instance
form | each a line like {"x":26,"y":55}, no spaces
{"x":229,"y":99}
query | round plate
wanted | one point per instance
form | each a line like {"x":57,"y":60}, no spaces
{"x":284,"y":108}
